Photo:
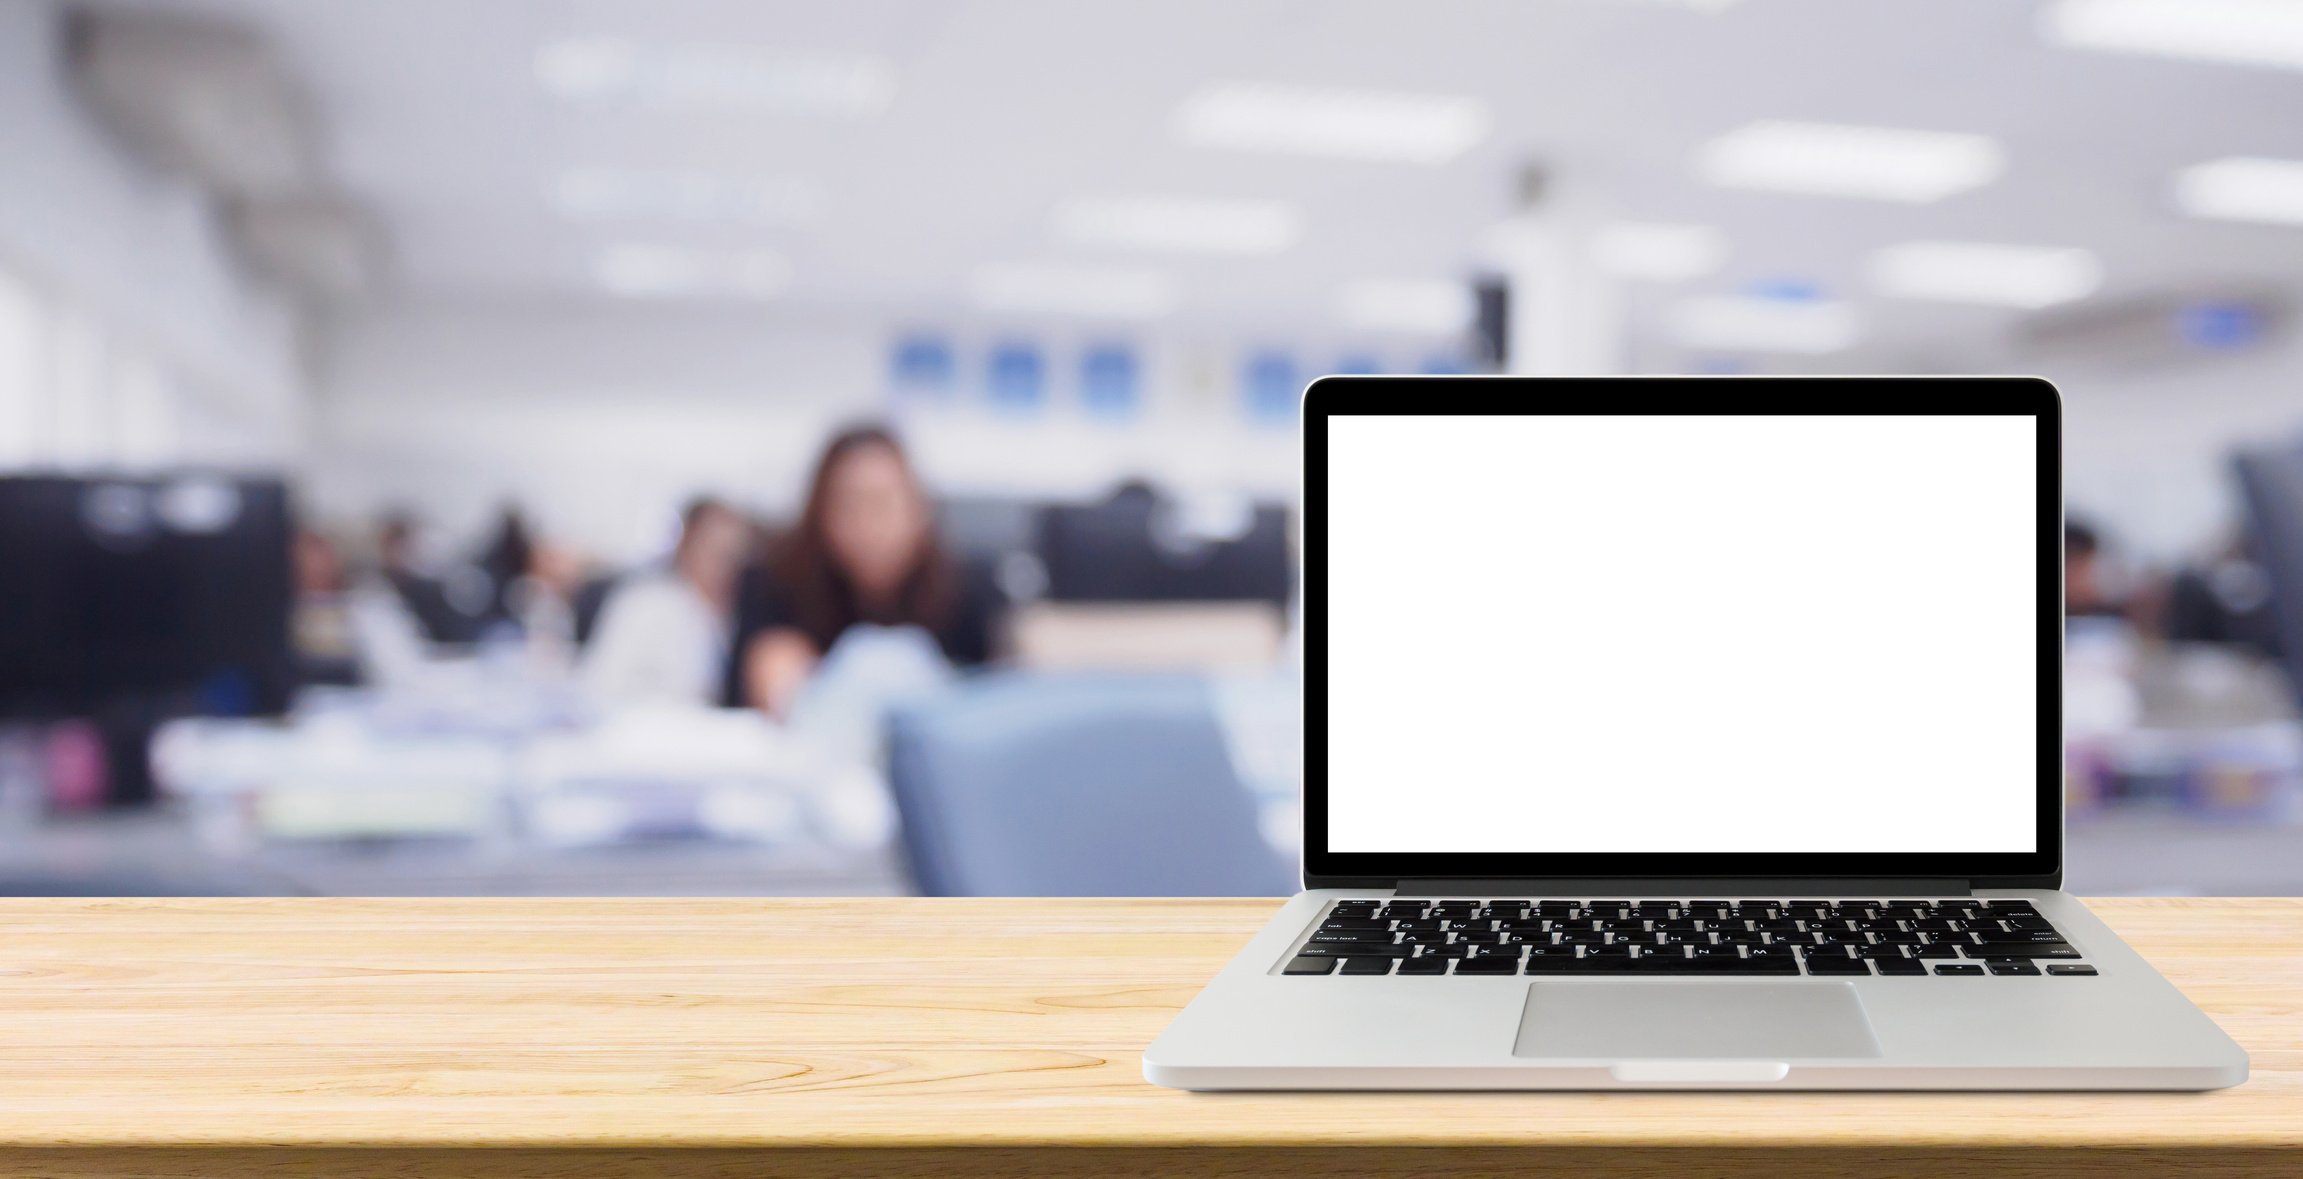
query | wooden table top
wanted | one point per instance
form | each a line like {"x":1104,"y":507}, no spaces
{"x":975,"y":1036}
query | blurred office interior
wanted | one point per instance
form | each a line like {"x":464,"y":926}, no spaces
{"x":387,"y":385}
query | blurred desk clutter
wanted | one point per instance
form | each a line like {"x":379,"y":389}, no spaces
{"x":456,"y":729}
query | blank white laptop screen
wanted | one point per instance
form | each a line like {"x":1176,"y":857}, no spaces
{"x":1682,"y":634}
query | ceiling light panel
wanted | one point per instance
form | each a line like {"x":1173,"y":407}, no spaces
{"x":1419,"y":305}
{"x":614,"y":71}
{"x":1372,"y":125}
{"x":618,"y":194}
{"x":2240,"y":32}
{"x":1706,"y":7}
{"x":2243,"y":188}
{"x":1831,"y":159}
{"x":1732,"y":323}
{"x":647,"y":271}
{"x":1091,"y":292}
{"x":1986,"y":273}
{"x":1180,"y":225}
{"x":1657,"y":252}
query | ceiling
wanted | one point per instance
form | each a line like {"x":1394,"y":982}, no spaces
{"x":1002,"y":109}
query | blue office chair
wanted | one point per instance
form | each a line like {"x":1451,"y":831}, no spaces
{"x":1076,"y":785}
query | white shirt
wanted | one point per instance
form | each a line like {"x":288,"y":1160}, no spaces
{"x":658,"y":642}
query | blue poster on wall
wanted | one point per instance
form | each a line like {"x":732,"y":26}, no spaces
{"x":1017,"y":379}
{"x":1271,"y":388}
{"x":1111,"y":385}
{"x":923,"y":367}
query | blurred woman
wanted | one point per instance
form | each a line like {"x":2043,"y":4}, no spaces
{"x":663,"y":634}
{"x":865,"y":552}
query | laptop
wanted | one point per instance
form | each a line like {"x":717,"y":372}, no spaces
{"x":1671,"y":733}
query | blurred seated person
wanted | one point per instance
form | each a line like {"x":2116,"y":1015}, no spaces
{"x":397,"y":614}
{"x":424,"y":597}
{"x":2087,"y":579}
{"x":664,"y":633}
{"x":864,"y":553}
{"x":504,"y":563}
{"x":321,"y":626}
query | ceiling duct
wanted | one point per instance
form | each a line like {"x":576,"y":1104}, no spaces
{"x":196,"y":95}
{"x":324,"y":246}
{"x":206,"y":98}
{"x":2166,"y":328}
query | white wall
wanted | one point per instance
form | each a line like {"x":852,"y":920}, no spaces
{"x":601,"y":417}
{"x":139,"y":255}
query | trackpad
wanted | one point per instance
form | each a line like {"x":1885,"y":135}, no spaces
{"x":1695,"y":1020}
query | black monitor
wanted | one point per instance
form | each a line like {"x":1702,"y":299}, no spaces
{"x":2271,"y":484}
{"x":1130,"y":548}
{"x":171,"y":590}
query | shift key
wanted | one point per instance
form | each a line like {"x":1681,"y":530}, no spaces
{"x":2004,"y":951}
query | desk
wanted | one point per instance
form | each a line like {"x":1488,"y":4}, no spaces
{"x":287,"y":1037}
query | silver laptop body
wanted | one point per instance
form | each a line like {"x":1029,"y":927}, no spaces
{"x":1672,"y":733}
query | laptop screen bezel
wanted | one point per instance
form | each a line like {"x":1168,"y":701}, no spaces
{"x":1662,"y":396}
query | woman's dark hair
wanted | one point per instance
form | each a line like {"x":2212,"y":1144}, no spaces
{"x":824,"y":602}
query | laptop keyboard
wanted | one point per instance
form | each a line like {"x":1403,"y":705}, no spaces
{"x":1836,"y":938}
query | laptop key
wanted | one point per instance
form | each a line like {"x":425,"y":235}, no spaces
{"x":1816,"y":965}
{"x":2002,"y":951}
{"x":1356,"y":950}
{"x":1653,"y":967}
{"x":2012,"y":968}
{"x":1367,"y":966}
{"x":1711,"y":964}
{"x":1499,"y":964}
{"x":1900,"y":966}
{"x":2070,"y":968}
{"x":1958,"y":968}
{"x":1423,"y":966}
{"x":1310,"y":966}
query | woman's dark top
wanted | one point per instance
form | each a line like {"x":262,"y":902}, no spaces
{"x":763,"y":603}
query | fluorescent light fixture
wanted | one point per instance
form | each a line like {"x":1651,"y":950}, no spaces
{"x":621,"y":194}
{"x":1382,"y":126}
{"x":2243,"y":188}
{"x":612,"y":70}
{"x":1655,"y":252}
{"x":1181,"y":225}
{"x":1092,"y":292}
{"x":1830,"y":159}
{"x":2242,"y":32}
{"x":1982,"y":272}
{"x":1741,"y":323}
{"x":1423,"y":305}
{"x":648,"y":271}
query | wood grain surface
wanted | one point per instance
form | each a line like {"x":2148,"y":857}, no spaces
{"x":931,"y":1037}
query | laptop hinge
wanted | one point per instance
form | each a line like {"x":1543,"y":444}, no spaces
{"x":1688,"y":887}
